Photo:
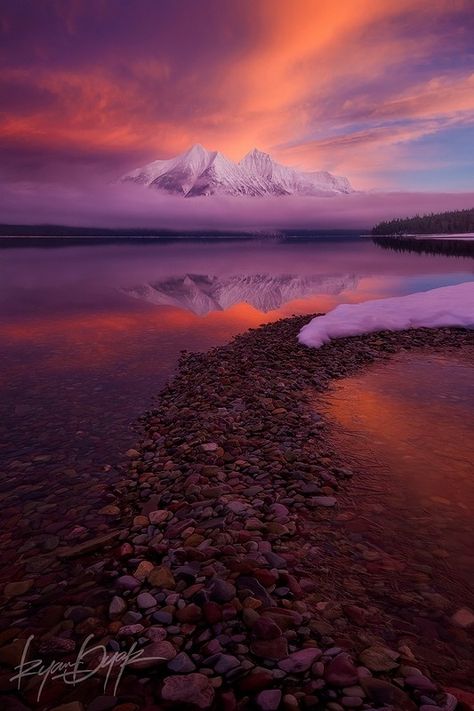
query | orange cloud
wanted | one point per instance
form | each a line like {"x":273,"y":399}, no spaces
{"x":286,"y":77}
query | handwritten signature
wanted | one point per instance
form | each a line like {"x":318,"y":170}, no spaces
{"x":74,"y":673}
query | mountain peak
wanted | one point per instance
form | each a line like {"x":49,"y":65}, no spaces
{"x":198,"y":171}
{"x":257,"y":152}
{"x":196,"y":148}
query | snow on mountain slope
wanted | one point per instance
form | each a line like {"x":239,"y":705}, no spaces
{"x":200,"y":172}
{"x":201,"y":293}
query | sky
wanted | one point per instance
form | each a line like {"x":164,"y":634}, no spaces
{"x":381,"y":91}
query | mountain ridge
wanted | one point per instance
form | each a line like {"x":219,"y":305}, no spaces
{"x":198,"y":172}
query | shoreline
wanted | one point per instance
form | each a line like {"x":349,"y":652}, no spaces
{"x":222,"y":549}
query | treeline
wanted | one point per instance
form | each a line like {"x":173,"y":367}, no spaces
{"x":456,"y":221}
{"x":451,"y":246}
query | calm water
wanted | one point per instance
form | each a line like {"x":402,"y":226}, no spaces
{"x":409,"y":423}
{"x":88,"y":334}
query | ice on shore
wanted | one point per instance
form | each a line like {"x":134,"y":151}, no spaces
{"x":446,"y":306}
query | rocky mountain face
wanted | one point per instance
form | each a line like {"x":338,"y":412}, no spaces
{"x":199,"y":172}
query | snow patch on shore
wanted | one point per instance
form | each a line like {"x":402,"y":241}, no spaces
{"x":446,"y":306}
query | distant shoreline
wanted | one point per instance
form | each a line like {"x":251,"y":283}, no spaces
{"x":64,"y":231}
{"x":435,"y":235}
{"x":453,"y":245}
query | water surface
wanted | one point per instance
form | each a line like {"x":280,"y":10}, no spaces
{"x":89,"y":333}
{"x":409,"y":426}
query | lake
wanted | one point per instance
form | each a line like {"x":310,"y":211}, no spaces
{"x":89,"y":333}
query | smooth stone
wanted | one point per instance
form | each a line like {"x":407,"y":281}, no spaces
{"x":382,"y":692}
{"x":325,"y":501}
{"x":225,"y":663}
{"x":157,"y":517}
{"x":182,"y":664}
{"x":143,"y":570}
{"x":161,"y":577}
{"x":155,"y":654}
{"x":194,"y":689}
{"x":127,"y":582}
{"x":274,"y":649}
{"x":378,"y":658}
{"x":464,"y":617}
{"x":269,"y":700}
{"x":145,"y":601}
{"x":341,"y":671}
{"x":17,"y":588}
{"x":265,"y":628}
{"x":102,"y":703}
{"x":300,"y":661}
{"x":221,"y":590}
{"x":420,"y":682}
{"x":117,"y":606}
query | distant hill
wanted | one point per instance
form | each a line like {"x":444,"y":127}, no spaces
{"x":454,"y":222}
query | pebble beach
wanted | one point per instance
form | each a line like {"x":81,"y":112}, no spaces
{"x":226,"y":556}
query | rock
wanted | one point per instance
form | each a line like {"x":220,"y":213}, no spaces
{"x":237,"y":507}
{"x":130,"y":630}
{"x":285,"y":619}
{"x":355,"y":614}
{"x":463,"y":696}
{"x":420,"y":682}
{"x":73,"y":706}
{"x":300,"y":661}
{"x":17,"y":588}
{"x":212,"y":612}
{"x":274,"y":649}
{"x":269,"y":700}
{"x":194,"y":689}
{"x":158,"y":517}
{"x":56,"y":645}
{"x":143,"y":570}
{"x":256,"y":681}
{"x":464,"y":617}
{"x":378,"y":658}
{"x":145,"y":600}
{"x":102,"y":703}
{"x":246,"y":582}
{"x":163,"y":616}
{"x":109,"y":510}
{"x":341,"y":671}
{"x":117,"y":607}
{"x":162,"y":577}
{"x":290,"y":703}
{"x":265,"y":628}
{"x":225,"y":663}
{"x":209,"y":446}
{"x":325,"y":501}
{"x":155,"y":654}
{"x":351,"y":702}
{"x":191,"y":613}
{"x":182,"y":664}
{"x":275,"y":560}
{"x":128,"y":582}
{"x":384,"y":693}
{"x":221,"y":590}
{"x":132,"y":453}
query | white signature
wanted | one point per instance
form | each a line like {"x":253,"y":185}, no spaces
{"x":74,"y":673}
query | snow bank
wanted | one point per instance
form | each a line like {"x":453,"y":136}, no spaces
{"x":446,"y":306}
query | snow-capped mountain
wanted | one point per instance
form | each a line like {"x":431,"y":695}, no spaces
{"x":201,"y":172}
{"x":202,"y":293}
